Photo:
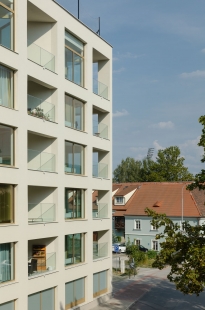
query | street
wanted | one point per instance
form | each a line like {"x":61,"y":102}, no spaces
{"x":149,"y":290}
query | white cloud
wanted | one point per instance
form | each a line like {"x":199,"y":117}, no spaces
{"x":191,"y":148}
{"x":157,"y":146}
{"x":194,"y":74}
{"x":120,"y":113}
{"x":163,"y":125}
{"x":141,"y":152}
{"x":119,"y":70}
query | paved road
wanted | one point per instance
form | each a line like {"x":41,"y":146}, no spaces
{"x":150,"y":290}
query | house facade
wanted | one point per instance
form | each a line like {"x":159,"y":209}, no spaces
{"x":55,"y":150}
{"x":172,"y":199}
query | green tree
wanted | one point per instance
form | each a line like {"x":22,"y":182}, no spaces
{"x":169,"y":166}
{"x":183,"y":250}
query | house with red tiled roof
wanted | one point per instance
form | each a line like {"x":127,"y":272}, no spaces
{"x":170,"y":198}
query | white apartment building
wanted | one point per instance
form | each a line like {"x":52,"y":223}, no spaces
{"x":55,"y":151}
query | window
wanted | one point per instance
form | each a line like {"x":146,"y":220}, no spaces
{"x":137,"y":242}
{"x":6,"y":262}
{"x":74,"y":58}
{"x":74,"y":158}
{"x":99,"y":283}
{"x":8,"y":305}
{"x":74,"y":249}
{"x":44,"y":300}
{"x":155,"y":245}
{"x":137,"y":225}
{"x":74,"y":293}
{"x":74,"y":203}
{"x":6,"y":203}
{"x":6,"y":87}
{"x":119,"y":200}
{"x":6,"y":23}
{"x":153,"y":227}
{"x":74,"y":113}
{"x":6,"y":145}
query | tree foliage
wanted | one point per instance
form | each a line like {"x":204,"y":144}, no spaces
{"x":183,"y":250}
{"x":169,"y":166}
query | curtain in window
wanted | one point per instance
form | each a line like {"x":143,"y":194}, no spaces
{"x":6,"y":145}
{"x":6,"y":262}
{"x":68,"y":111}
{"x":6,"y":203}
{"x":74,"y":293}
{"x":7,"y":306}
{"x":6,"y":87}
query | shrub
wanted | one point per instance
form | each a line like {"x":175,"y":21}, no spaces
{"x":151,"y":254}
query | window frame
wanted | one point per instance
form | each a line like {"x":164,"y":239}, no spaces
{"x":76,"y":302}
{"x":82,"y":239}
{"x":73,"y":163}
{"x":13,"y":26}
{"x":82,"y":57}
{"x":135,"y":224}
{"x":12,"y":259}
{"x":82,"y":203}
{"x":157,"y":243}
{"x":12,"y":146}
{"x":153,"y":228}
{"x":40,"y":292}
{"x":137,"y":242}
{"x":99,"y":293}
{"x":12,"y":87}
{"x":73,"y":112}
{"x":12,"y":188}
{"x":120,"y":203}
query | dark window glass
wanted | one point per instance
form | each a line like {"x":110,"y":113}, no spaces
{"x":74,"y":203}
{"x":6,"y":262}
{"x":6,"y":146}
{"x":74,"y":249}
{"x":74,"y":113}
{"x":6,"y":28}
{"x":74,"y":158}
{"x":6,"y":203}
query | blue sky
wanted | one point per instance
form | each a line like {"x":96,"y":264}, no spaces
{"x":158,"y":73}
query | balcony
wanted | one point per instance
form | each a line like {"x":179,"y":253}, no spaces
{"x":100,"y":210}
{"x":100,"y":130}
{"x":40,"y":108}
{"x":100,"y":250}
{"x":100,"y":89}
{"x":40,"y":263}
{"x":100,"y":170}
{"x":41,"y":256}
{"x":40,"y":56}
{"x":41,"y":161}
{"x":42,"y":212}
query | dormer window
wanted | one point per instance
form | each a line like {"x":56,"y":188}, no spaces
{"x":119,"y":200}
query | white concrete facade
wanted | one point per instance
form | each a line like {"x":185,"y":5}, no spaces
{"x":44,"y":23}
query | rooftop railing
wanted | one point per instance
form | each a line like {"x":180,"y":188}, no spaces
{"x":100,"y":89}
{"x":100,"y":250}
{"x":41,"y":212}
{"x":40,"y":56}
{"x":40,"y":108}
{"x":100,"y":130}
{"x":41,"y":161}
{"x":39,"y":264}
{"x":100,"y":170}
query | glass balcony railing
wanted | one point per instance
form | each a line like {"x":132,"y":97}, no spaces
{"x":100,"y":130}
{"x":100,"y":250}
{"x":42,"y":212}
{"x":101,"y":211}
{"x":40,"y":108}
{"x":40,"y":56}
{"x":100,"y":170}
{"x":38,"y":264}
{"x":100,"y":89}
{"x":41,"y":161}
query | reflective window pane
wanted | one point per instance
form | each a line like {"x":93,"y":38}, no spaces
{"x":73,"y":43}
{"x":78,"y":70}
{"x":99,"y":283}
{"x":6,"y":262}
{"x":69,"y":64}
{"x":6,"y":145}
{"x":48,"y":299}
{"x":78,"y":115}
{"x":6,"y":28}
{"x":69,"y":157}
{"x":6,"y":87}
{"x":69,"y":253}
{"x":74,"y":249}
{"x":74,"y":293}
{"x":74,"y":203}
{"x":6,"y":203}
{"x":7,"y":306}
{"x":69,"y":111}
{"x":78,"y":159}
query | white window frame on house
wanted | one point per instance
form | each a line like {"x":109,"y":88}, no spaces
{"x":121,"y":200}
{"x":137,"y":242}
{"x":153,"y":227}
{"x":154,"y":243}
{"x":137,"y":224}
